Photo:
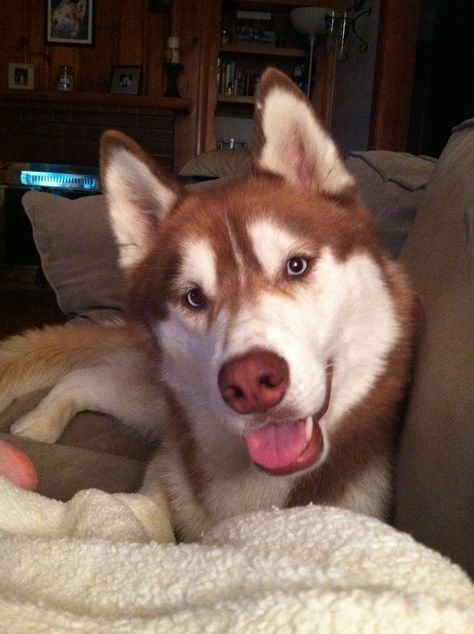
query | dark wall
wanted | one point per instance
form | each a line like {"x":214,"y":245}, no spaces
{"x":354,"y":86}
{"x":444,"y":76}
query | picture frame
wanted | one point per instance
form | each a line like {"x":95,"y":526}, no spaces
{"x":70,"y":22}
{"x":125,"y":80}
{"x":21,"y":76}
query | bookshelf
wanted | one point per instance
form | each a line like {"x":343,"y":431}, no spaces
{"x":243,"y":37}
{"x":253,"y":35}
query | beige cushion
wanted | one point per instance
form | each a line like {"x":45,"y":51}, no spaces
{"x":78,"y":253}
{"x":435,"y":473}
{"x":217,"y":163}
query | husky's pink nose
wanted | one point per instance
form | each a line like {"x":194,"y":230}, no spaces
{"x":254,"y":382}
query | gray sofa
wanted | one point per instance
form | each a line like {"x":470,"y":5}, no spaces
{"x":426,"y":211}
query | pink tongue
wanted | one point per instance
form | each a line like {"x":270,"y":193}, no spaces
{"x":277,"y":445}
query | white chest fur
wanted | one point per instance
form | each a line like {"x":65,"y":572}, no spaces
{"x":224,"y":494}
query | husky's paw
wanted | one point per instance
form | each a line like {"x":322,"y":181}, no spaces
{"x":36,"y":426}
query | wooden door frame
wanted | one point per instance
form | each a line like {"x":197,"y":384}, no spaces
{"x":395,"y":65}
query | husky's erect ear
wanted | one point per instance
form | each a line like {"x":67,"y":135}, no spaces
{"x":290,"y":141}
{"x":139,"y":194}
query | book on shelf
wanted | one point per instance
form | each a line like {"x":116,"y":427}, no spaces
{"x":233,"y":80}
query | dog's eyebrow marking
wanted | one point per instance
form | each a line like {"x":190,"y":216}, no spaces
{"x":236,"y":250}
{"x":272,"y":245}
{"x":199,"y":265}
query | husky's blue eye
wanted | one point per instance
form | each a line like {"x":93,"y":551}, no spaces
{"x":296,"y":266}
{"x":195,"y":298}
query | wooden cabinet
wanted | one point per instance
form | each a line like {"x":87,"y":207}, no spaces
{"x":240,"y":39}
{"x":132,"y":32}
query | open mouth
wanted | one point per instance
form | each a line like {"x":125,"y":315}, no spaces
{"x":285,"y":447}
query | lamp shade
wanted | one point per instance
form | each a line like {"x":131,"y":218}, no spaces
{"x":310,"y":20}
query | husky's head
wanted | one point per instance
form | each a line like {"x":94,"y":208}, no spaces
{"x":269,"y":296}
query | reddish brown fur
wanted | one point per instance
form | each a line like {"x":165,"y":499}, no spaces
{"x":321,"y":218}
{"x":365,"y":435}
{"x":367,"y":432}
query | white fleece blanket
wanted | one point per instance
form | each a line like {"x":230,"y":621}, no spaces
{"x":89,"y":566}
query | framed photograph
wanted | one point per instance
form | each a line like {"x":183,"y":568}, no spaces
{"x":69,"y":22}
{"x":125,"y":80}
{"x":21,"y":76}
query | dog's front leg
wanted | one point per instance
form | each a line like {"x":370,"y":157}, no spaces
{"x":110,"y":389}
{"x":78,"y":391}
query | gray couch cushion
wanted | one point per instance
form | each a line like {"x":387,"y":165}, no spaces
{"x":392,"y":186}
{"x":95,"y":451}
{"x":78,"y":254}
{"x":435,"y":473}
{"x":65,"y":470}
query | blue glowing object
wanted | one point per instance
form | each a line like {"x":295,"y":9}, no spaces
{"x":58,"y":180}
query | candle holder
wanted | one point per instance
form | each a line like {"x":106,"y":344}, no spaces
{"x":172,"y":71}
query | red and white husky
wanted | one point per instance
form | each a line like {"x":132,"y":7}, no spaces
{"x":270,"y":337}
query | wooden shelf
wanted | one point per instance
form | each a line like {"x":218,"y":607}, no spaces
{"x":237,"y":48}
{"x":236,"y":99}
{"x":178,"y":104}
{"x":286,"y":3}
